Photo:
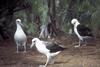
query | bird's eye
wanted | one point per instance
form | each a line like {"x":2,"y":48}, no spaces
{"x":74,"y":22}
{"x":34,"y":41}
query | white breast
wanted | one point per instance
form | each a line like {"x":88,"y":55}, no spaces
{"x":76,"y":32}
{"x":41,"y":47}
{"x":20,"y":35}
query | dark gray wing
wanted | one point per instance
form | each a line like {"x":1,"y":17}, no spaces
{"x":84,"y":30}
{"x":53,"y":47}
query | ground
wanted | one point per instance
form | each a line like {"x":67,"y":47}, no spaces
{"x":85,"y":56}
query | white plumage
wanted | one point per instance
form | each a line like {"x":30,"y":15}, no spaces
{"x":20,"y":36}
{"x":82,"y":31}
{"x":46,"y":48}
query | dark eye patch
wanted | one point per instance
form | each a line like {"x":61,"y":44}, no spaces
{"x":34,"y":41}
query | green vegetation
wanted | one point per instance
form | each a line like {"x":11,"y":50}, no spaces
{"x":78,"y":9}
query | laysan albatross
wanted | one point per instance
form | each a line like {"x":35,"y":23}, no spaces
{"x":83,"y":32}
{"x":46,"y":48}
{"x":20,"y":36}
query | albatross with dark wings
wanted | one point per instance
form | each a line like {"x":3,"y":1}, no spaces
{"x":83,"y":32}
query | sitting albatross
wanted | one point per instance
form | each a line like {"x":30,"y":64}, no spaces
{"x":46,"y":48}
{"x":20,"y":36}
{"x":82,"y":31}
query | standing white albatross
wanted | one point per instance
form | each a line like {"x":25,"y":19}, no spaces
{"x":46,"y":48}
{"x":81,"y":31}
{"x":20,"y":36}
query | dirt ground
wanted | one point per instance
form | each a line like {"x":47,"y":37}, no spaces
{"x":85,"y":56}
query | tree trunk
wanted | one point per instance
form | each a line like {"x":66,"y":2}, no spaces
{"x":37,"y":22}
{"x":52,"y":14}
{"x":71,"y":13}
{"x":71,"y":10}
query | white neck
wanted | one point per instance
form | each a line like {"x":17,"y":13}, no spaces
{"x":38,"y":43}
{"x":77,"y":24}
{"x":41,"y":47}
{"x":76,"y":32}
{"x":19,"y":27}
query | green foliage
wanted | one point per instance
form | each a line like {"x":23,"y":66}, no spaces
{"x":96,"y":19}
{"x":85,"y":6}
{"x":43,"y":13}
{"x":28,"y":26}
{"x":40,"y":7}
{"x":82,"y":7}
{"x":20,"y":14}
{"x":61,"y":13}
{"x":66,"y":27}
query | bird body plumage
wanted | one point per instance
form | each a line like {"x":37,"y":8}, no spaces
{"x":81,"y":31}
{"x":47,"y":48}
{"x":54,"y":48}
{"x":20,"y":36}
{"x":84,"y":30}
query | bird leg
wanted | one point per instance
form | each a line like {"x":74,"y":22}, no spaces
{"x":78,"y":44}
{"x":48,"y":58}
{"x":17,"y":49}
{"x":85,"y":42}
{"x":25,"y":47}
{"x":51,"y":61}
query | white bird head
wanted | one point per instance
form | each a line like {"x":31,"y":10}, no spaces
{"x":34,"y":40}
{"x":74,"y":21}
{"x":18,"y":21}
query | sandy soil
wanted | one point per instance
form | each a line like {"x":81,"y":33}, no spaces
{"x":85,"y":56}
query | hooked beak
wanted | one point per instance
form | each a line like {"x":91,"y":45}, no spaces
{"x":21,"y":24}
{"x":32,"y":44}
